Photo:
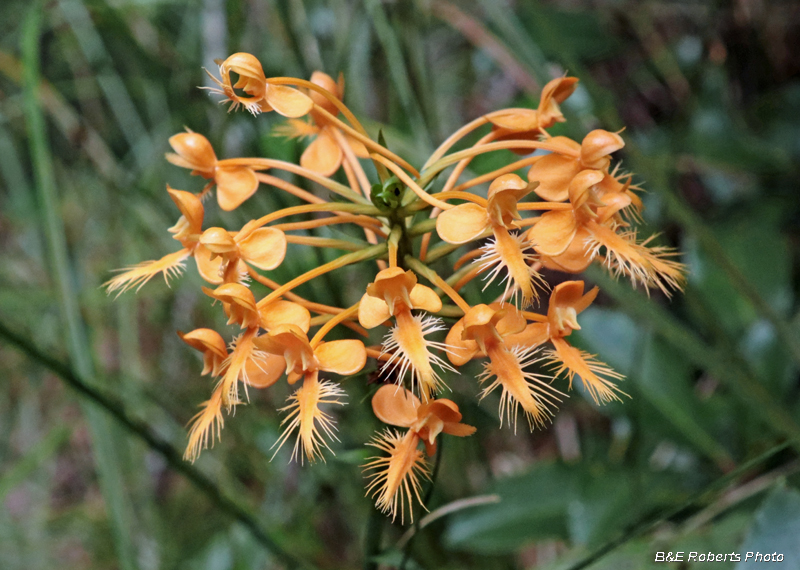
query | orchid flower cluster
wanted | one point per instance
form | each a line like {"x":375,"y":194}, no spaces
{"x":577,"y":208}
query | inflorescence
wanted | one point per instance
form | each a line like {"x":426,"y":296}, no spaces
{"x":584,"y":214}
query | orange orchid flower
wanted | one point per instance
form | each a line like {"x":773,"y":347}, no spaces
{"x":302,"y":360}
{"x":395,"y":480}
{"x":489,"y":330}
{"x":246,"y":362}
{"x":567,"y":301}
{"x":573,"y":238}
{"x":261,"y":96}
{"x":235,"y":184}
{"x":264,"y":248}
{"x":394,"y":293}
{"x":324,"y":155}
{"x":530,"y":124}
{"x":187,"y":230}
{"x":469,"y":221}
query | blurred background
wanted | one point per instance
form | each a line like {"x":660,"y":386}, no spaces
{"x":90,"y":91}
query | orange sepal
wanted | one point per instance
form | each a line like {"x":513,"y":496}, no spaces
{"x":554,"y":173}
{"x":264,"y":248}
{"x":372,"y":311}
{"x":239,"y":303}
{"x":288,"y":101}
{"x":460,"y":351}
{"x":553,"y":233}
{"x":596,"y":147}
{"x":282,"y":312}
{"x":343,"y":357}
{"x":265,"y":371}
{"x":218,"y":241}
{"x":423,"y":297}
{"x":323,"y":155}
{"x":463,"y":223}
{"x":235,"y":184}
{"x":190,"y":207}
{"x":396,"y":406}
{"x":209,"y":269}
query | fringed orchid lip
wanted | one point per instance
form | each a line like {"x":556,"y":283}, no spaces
{"x":395,"y":480}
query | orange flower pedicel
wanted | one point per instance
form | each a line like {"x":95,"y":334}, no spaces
{"x":574,"y":208}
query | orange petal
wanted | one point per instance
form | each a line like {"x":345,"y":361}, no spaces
{"x":445,"y":410}
{"x":194,"y":151}
{"x":553,"y":173}
{"x":323,"y":155}
{"x":460,"y":351}
{"x":424,"y":298}
{"x":596,"y":147}
{"x":396,"y":406}
{"x":218,"y":241}
{"x":533,"y":335}
{"x":358,"y":147}
{"x":288,"y":101}
{"x":205,"y":339}
{"x":234,"y":185}
{"x":264,"y":248}
{"x":512,"y":322}
{"x":372,"y":311}
{"x":553,"y":233}
{"x":190,"y":207}
{"x":463,"y":223}
{"x":517,"y":120}
{"x":458,"y":429}
{"x":586,"y":300}
{"x":264,"y":372}
{"x":343,"y":357}
{"x":209,"y":269}
{"x":576,"y":258}
{"x":282,"y":312}
{"x":326,"y":82}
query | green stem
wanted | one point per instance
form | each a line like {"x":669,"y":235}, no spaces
{"x":428,"y":494}
{"x":116,"y":410}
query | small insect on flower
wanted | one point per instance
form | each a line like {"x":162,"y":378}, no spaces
{"x":395,"y":480}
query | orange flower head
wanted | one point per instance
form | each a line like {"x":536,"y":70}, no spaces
{"x":554,"y":93}
{"x":210,"y":343}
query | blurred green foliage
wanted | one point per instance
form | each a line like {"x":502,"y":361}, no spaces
{"x":709,"y":95}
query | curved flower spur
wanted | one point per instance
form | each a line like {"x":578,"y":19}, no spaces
{"x":573,"y":209}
